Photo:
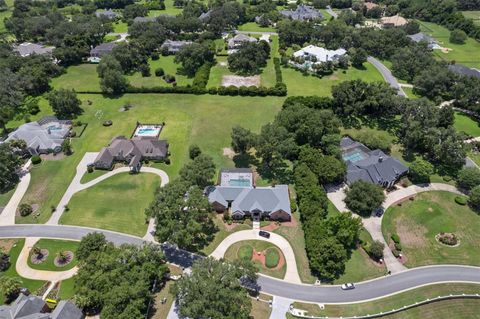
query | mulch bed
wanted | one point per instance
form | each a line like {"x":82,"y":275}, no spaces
{"x":273,"y":225}
{"x":38,"y":259}
{"x":260,"y":257}
{"x":52,"y":156}
{"x":60,"y":263}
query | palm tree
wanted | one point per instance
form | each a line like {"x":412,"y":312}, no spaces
{"x":37,"y":252}
{"x":62,"y":256}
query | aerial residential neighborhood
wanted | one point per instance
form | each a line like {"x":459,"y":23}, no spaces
{"x":267,"y":159}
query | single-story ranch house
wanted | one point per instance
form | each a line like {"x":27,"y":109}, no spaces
{"x":109,"y":14}
{"x":392,"y":22}
{"x":43,"y":136}
{"x":311,"y":55}
{"x":370,"y":166}
{"x":302,"y":12}
{"x":238,"y":195}
{"x":239,"y":40}
{"x":27,"y":48}
{"x":132,"y":151}
{"x":173,"y":47}
{"x":422,"y":37}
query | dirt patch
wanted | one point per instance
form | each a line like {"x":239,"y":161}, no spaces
{"x":39,"y":258}
{"x":228,"y":227}
{"x":270,"y":227}
{"x":59,"y":262}
{"x":333,"y":77}
{"x":228,"y":152}
{"x":430,"y":209}
{"x":260,"y":257}
{"x":446,"y":50}
{"x":223,"y":63}
{"x":273,"y":225}
{"x":7,"y":244}
{"x":412,"y":235}
{"x":239,"y":81}
{"x":52,"y":156}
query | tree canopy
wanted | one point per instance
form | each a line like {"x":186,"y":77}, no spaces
{"x":9,"y":164}
{"x":363,"y":197}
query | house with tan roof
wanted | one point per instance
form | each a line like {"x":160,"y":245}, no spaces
{"x":393,"y":22}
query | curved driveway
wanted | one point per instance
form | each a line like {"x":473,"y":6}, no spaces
{"x":387,"y":75}
{"x":373,"y":289}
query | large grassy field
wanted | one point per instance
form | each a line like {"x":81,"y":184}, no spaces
{"x":417,"y":223}
{"x":466,"y":124}
{"x":254,"y":27}
{"x":465,"y":309}
{"x":190,"y":119}
{"x":466,"y":54}
{"x":55,"y":246}
{"x":82,"y":77}
{"x":117,"y":203}
{"x":299,"y":84}
{"x":14,"y":251}
{"x":474,"y":15}
{"x":168,"y":65}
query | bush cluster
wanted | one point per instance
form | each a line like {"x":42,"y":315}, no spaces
{"x":202,"y":75}
{"x":448,"y":239}
{"x":36,"y":159}
{"x":461,"y":200}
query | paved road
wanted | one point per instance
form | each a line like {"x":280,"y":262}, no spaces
{"x":331,"y":12}
{"x":323,"y":294}
{"x":387,"y":75}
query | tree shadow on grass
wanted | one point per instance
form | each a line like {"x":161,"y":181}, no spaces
{"x":245,"y":160}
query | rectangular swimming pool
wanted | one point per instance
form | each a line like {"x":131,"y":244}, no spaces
{"x":353,"y":157}
{"x":147,"y":131}
{"x":239,"y":182}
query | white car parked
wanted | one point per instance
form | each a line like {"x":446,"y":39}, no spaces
{"x":348,"y":286}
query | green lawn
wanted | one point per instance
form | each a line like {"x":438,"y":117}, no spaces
{"x":235,"y":252}
{"x":299,"y":84}
{"x":120,"y":27}
{"x":254,"y":27}
{"x":32,"y":285}
{"x":55,"y":246}
{"x":268,"y":73}
{"x":410,"y":94}
{"x":5,"y":197}
{"x":467,"y":54}
{"x":463,"y":308}
{"x":169,"y":9}
{"x":204,"y":120}
{"x":466,"y":124}
{"x":82,"y":77}
{"x":67,"y":289}
{"x":218,"y":71}
{"x":5,"y":14}
{"x":222,"y":234}
{"x":418,"y":222}
{"x":117,"y":203}
{"x":474,"y":15}
{"x":168,"y":65}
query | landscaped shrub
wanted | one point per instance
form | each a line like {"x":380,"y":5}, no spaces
{"x":278,"y":70}
{"x":25,"y":209}
{"x":169,"y":78}
{"x":448,"y":239}
{"x":398,"y":246}
{"x":4,"y":261}
{"x":461,"y":200}
{"x":155,"y":56}
{"x":375,"y":250}
{"x":272,"y":258}
{"x":36,"y":159}
{"x":245,"y":252}
{"x":90,"y":169}
{"x":159,"y":72}
{"x":396,"y":238}
{"x":144,"y":70}
{"x":396,"y":253}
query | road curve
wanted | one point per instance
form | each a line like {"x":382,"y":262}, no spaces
{"x":387,"y":75}
{"x":365,"y":291}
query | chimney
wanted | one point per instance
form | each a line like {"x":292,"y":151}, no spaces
{"x":380,"y":159}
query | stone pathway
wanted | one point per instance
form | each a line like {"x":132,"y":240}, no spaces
{"x":7,"y":215}
{"x":291,"y":274}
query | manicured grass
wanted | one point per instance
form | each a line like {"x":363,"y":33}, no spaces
{"x":82,"y":77}
{"x":400,"y":300}
{"x":299,"y":84}
{"x":218,"y":71}
{"x":222,"y":234}
{"x":410,"y":94}
{"x":87,"y":177}
{"x":245,"y":252}
{"x":55,"y":246}
{"x":5,"y":14}
{"x":169,"y":9}
{"x":474,"y":156}
{"x":253,"y":26}
{"x":260,"y":309}
{"x":268,"y":73}
{"x":117,"y":203}
{"x":474,"y":15}
{"x":272,"y":257}
{"x":466,"y":124}
{"x":417,"y":223}
{"x":190,"y":119}
{"x":466,"y":54}
{"x":168,"y":65}
{"x":67,"y":289}
{"x":159,"y":310}
{"x":120,"y":27}
{"x":5,"y":197}
{"x":233,"y":252}
{"x":32,"y":285}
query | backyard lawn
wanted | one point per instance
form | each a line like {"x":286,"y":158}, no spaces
{"x":190,"y":119}
{"x":120,"y":27}
{"x":466,"y":54}
{"x":466,"y":124}
{"x":5,"y":197}
{"x":81,"y":78}
{"x":417,"y":223}
{"x":117,"y":203}
{"x":14,"y":246}
{"x":299,"y":84}
{"x":168,"y":65}
{"x":55,"y":246}
{"x":464,"y":309}
{"x":474,"y":15}
{"x":253,"y":249}
{"x":254,"y":27}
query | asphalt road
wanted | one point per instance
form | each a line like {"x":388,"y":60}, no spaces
{"x":322,"y":294}
{"x":387,"y":75}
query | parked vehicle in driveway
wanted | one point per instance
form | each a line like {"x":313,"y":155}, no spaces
{"x":379,"y":212}
{"x":265,"y":234}
{"x":348,"y":286}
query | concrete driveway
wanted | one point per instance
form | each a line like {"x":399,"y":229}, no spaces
{"x":7,"y":216}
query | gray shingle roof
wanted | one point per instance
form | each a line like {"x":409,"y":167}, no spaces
{"x":464,"y":70}
{"x":102,"y":49}
{"x":144,"y":19}
{"x":302,"y":12}
{"x":66,"y":310}
{"x":27,"y":48}
{"x":174,"y":46}
{"x":33,"y":307}
{"x":110,"y":14}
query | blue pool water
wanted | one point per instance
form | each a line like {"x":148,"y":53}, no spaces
{"x":239,"y":182}
{"x":54,"y":128}
{"x":144,"y":131}
{"x":353,"y":157}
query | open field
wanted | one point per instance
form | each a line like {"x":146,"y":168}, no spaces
{"x":32,"y":285}
{"x":117,"y":203}
{"x":5,"y":14}
{"x":55,"y":246}
{"x":441,"y":310}
{"x":466,"y":54}
{"x":82,"y":77}
{"x":474,"y":15}
{"x":246,"y":250}
{"x":466,"y":124}
{"x":417,"y":223}
{"x":168,"y":65}
{"x":299,"y":84}
{"x":204,"y":120}
{"x":253,"y":26}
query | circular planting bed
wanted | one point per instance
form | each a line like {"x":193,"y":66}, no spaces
{"x":272,"y":257}
{"x":65,"y":259}
{"x":448,"y":239}
{"x":245,"y":252}
{"x":39,"y":257}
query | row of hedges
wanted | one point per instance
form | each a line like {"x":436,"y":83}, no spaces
{"x":202,"y":76}
{"x":278,"y":70}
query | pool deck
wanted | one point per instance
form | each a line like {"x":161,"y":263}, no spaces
{"x":157,"y":127}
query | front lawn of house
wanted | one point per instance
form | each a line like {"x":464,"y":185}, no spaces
{"x":417,"y":223}
{"x":55,"y":246}
{"x":466,"y":124}
{"x":117,"y":203}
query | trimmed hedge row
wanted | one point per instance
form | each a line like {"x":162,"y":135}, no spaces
{"x":202,"y":76}
{"x":278,"y":70}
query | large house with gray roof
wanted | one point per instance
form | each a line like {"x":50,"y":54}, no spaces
{"x":43,"y":136}
{"x":422,"y":37}
{"x":303,"y":13}
{"x":33,"y":307}
{"x":131,"y":151}
{"x":464,"y":70}
{"x":238,"y":195}
{"x":109,"y":14}
{"x":27,"y":48}
{"x":172,"y":47}
{"x":101,"y":50}
{"x":371,"y":166}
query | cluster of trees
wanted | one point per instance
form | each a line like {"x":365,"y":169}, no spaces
{"x":65,"y":103}
{"x":363,"y":197}
{"x":215,"y":289}
{"x":9,"y":164}
{"x":182,"y":212}
{"x":193,"y":56}
{"x":117,"y":281}
{"x":468,"y":180}
{"x":250,"y":58}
